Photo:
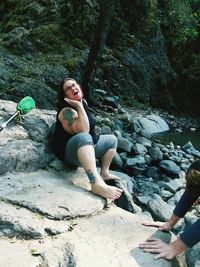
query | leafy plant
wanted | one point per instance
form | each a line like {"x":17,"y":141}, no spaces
{"x":181,"y":19}
{"x":134,"y":103}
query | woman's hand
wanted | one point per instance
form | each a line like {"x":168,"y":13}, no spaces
{"x":73,"y":103}
{"x":165,"y":227}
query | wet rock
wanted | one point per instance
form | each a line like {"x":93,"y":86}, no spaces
{"x":139,"y":149}
{"x":151,"y":123}
{"x":155,"y":153}
{"x":169,"y":167}
{"x":124,"y":144}
{"x":159,"y":208}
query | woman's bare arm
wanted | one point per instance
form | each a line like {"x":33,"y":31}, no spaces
{"x":74,"y":121}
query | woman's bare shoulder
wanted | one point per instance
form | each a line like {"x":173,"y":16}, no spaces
{"x":66,"y":111}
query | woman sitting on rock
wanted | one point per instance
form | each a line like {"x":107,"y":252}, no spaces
{"x":190,"y":235}
{"x":76,"y":143}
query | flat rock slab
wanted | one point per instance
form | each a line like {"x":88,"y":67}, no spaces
{"x":51,"y":218}
{"x":50,"y":194}
{"x":107,"y":239}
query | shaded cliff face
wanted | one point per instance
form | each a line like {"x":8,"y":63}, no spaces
{"x":149,"y":58}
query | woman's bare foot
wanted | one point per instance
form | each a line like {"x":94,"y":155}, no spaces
{"x":107,"y":176}
{"x":106,"y":191}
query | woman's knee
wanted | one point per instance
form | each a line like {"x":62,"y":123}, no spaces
{"x":77,"y":141}
{"x":114,"y":141}
{"x":105,"y":143}
{"x":84,"y":139}
{"x":111,"y":141}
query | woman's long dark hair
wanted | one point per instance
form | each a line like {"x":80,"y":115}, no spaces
{"x":61,"y":94}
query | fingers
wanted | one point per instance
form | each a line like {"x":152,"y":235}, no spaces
{"x":151,"y":243}
{"x":159,"y":256}
{"x":70,"y":101}
{"x":147,"y":245}
{"x":152,"y":239}
{"x":161,"y":226}
{"x":153,"y":224}
{"x":73,"y":103}
{"x":151,"y":250}
{"x":150,"y":224}
{"x":154,"y":245}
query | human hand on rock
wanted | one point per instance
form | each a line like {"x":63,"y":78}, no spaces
{"x":165,"y":227}
{"x":159,"y":247}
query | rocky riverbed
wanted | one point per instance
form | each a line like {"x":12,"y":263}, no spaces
{"x":157,"y":171}
{"x":40,"y":197}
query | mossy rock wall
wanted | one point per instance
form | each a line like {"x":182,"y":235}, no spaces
{"x":150,"y":56}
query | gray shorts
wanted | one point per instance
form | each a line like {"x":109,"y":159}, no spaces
{"x":105,"y":142}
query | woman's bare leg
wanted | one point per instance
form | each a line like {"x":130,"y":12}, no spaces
{"x":105,"y":165}
{"x":87,"y":159}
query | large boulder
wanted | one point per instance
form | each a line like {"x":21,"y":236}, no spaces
{"x":151,"y":123}
{"x":24,"y":142}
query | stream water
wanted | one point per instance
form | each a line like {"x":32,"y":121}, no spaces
{"x":179,"y":138}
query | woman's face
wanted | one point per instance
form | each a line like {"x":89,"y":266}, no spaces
{"x":72,"y":90}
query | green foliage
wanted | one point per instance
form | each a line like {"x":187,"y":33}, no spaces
{"x":150,"y":20}
{"x":59,"y":33}
{"x":182,"y":20}
{"x":79,"y":19}
{"x":133,"y":103}
{"x":72,"y":64}
{"x":132,"y":20}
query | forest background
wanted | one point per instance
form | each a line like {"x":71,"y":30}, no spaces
{"x":145,"y":52}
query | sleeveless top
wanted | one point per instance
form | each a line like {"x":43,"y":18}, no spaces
{"x":61,"y":137}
